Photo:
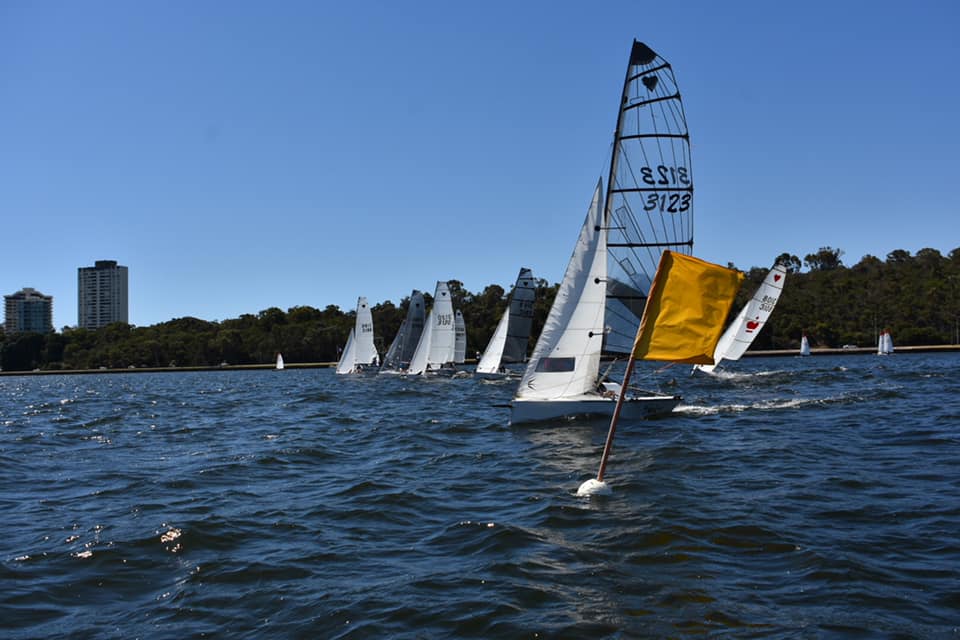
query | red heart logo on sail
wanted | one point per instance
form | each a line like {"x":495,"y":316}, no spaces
{"x":776,"y":277}
{"x":751,"y":325}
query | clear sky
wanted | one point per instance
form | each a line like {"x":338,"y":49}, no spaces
{"x":238,"y":156}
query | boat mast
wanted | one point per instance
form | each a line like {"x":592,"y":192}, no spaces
{"x":639,"y":54}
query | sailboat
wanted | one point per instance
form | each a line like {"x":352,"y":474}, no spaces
{"x":647,"y":208}
{"x":435,"y":352}
{"x":804,"y":345}
{"x":460,"y":339}
{"x":885,"y":343}
{"x":279,"y":365}
{"x":405,"y":342}
{"x":360,"y":353}
{"x":748,"y":323}
{"x":509,"y":340}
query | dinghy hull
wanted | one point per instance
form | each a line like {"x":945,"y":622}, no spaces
{"x":636,"y":408}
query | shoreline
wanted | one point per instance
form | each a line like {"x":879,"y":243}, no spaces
{"x":772,"y":353}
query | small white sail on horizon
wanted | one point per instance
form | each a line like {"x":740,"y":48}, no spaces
{"x":279,"y":365}
{"x":885,"y":343}
{"x":804,"y":345}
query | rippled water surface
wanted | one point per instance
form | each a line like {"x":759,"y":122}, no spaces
{"x":813,"y":497}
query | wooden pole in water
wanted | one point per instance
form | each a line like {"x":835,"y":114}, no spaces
{"x":616,"y":416}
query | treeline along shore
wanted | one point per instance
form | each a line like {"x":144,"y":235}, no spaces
{"x":915,"y":297}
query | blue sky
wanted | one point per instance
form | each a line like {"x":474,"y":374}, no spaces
{"x":238,"y":156}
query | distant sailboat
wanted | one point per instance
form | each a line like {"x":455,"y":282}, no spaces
{"x":436,"y":349}
{"x":460,"y":341}
{"x":512,"y":335}
{"x":279,"y":366}
{"x":408,"y":336}
{"x":360,"y":352}
{"x":748,"y":323}
{"x":804,"y":345}
{"x":885,"y":343}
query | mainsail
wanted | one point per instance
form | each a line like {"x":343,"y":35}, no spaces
{"x":751,"y":319}
{"x":360,"y":350}
{"x":521,"y":318}
{"x":649,"y":200}
{"x":403,"y":345}
{"x":438,"y":342}
{"x":460,"y":342}
{"x":512,"y":335}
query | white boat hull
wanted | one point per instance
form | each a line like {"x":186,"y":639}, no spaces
{"x":635,"y":408}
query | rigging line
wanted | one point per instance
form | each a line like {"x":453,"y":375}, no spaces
{"x":664,"y":368}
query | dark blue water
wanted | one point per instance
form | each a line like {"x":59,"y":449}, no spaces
{"x":815,"y":497}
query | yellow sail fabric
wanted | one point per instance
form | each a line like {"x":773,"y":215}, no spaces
{"x":685,"y":313}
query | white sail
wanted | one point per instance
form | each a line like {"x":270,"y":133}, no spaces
{"x":437,"y":344}
{"x":348,"y":358}
{"x":363,"y":329}
{"x":751,"y":319}
{"x":804,"y":346}
{"x":460,"y":341}
{"x":279,"y":365}
{"x":566,"y":359}
{"x":443,"y":335}
{"x":490,"y":361}
{"x":509,"y":340}
{"x":885,"y":343}
{"x":360,"y":350}
{"x":418,"y":362}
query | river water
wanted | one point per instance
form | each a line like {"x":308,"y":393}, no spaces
{"x":789,"y":497}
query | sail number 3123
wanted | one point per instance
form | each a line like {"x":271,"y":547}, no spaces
{"x":669,"y":202}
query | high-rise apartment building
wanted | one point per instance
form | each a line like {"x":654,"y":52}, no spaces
{"x":28,"y":310}
{"x":101,"y":294}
